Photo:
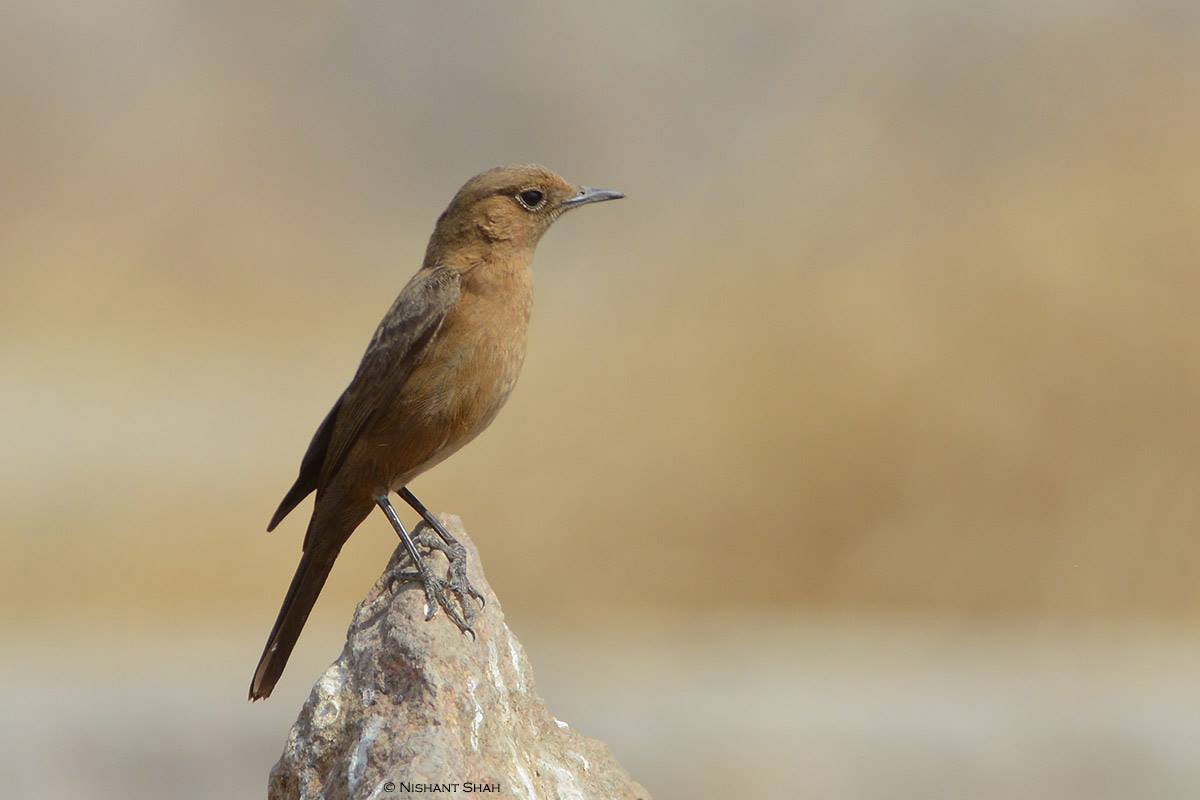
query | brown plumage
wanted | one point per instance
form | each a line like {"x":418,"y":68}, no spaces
{"x":437,"y":371}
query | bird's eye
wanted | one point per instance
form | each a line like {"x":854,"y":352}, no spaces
{"x":532,"y":199}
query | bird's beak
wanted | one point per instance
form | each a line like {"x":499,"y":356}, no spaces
{"x":587,"y":195}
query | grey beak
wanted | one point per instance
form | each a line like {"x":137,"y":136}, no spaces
{"x":587,"y":195}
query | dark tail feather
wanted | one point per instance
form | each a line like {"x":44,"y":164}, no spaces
{"x":310,"y":467}
{"x":310,"y":577}
{"x":300,"y":490}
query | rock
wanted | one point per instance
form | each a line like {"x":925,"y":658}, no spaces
{"x":411,"y":706}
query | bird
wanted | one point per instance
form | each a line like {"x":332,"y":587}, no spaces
{"x":437,"y":370}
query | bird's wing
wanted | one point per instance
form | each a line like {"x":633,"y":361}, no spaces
{"x":310,"y":468}
{"x":396,"y":348}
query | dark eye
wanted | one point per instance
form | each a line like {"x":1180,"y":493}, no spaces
{"x":531,"y":198}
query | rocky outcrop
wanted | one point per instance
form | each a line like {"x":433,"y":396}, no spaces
{"x":414,"y":708}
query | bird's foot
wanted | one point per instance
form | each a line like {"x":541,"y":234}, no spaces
{"x":438,"y":590}
{"x":458,"y":581}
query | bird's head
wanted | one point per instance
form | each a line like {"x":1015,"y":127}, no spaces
{"x":505,"y":210}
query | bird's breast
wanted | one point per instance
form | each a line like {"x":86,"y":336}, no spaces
{"x":469,"y":371}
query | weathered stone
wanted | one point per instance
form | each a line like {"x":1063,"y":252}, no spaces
{"x":411,"y":706}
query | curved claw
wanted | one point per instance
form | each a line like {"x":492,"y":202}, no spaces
{"x":431,"y":603}
{"x":458,"y":583}
{"x":435,"y":595}
{"x":455,"y":617}
{"x":466,"y":589}
{"x":461,"y":585}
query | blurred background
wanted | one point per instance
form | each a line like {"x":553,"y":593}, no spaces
{"x":855,"y":453}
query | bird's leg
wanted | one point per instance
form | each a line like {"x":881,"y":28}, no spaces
{"x":456,"y":554}
{"x":435,"y":588}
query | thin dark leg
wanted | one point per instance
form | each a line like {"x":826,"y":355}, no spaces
{"x":401,"y":531}
{"x":407,"y":496}
{"x":455,"y":552}
{"x":435,"y":594}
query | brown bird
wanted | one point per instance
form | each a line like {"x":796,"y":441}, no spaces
{"x":438,"y":369}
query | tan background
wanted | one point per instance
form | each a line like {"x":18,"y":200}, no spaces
{"x":855,"y":454}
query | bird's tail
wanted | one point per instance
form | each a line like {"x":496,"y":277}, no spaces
{"x":307,"y":583}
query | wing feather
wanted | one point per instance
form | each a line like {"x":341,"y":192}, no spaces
{"x":400,"y":341}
